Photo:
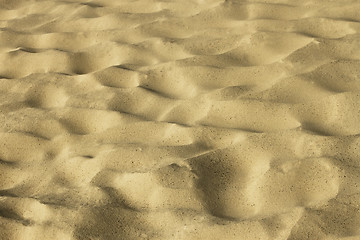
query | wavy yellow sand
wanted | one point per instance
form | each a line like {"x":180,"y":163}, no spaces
{"x":179,"y":120}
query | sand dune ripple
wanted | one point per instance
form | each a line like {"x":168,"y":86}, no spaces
{"x":179,"y":119}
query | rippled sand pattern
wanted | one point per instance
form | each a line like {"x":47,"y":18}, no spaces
{"x":184,"y":120}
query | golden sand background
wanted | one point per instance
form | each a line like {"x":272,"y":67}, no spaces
{"x":169,"y":119}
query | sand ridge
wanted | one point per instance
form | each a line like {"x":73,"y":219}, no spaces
{"x":179,"y":119}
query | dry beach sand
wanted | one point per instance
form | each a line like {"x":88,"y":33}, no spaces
{"x":179,"y":119}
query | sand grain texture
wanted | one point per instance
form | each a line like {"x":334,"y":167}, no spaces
{"x":179,"y":120}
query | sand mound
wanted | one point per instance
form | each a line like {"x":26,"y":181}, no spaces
{"x":179,"y":120}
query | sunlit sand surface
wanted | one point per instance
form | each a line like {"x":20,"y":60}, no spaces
{"x":179,"y":120}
